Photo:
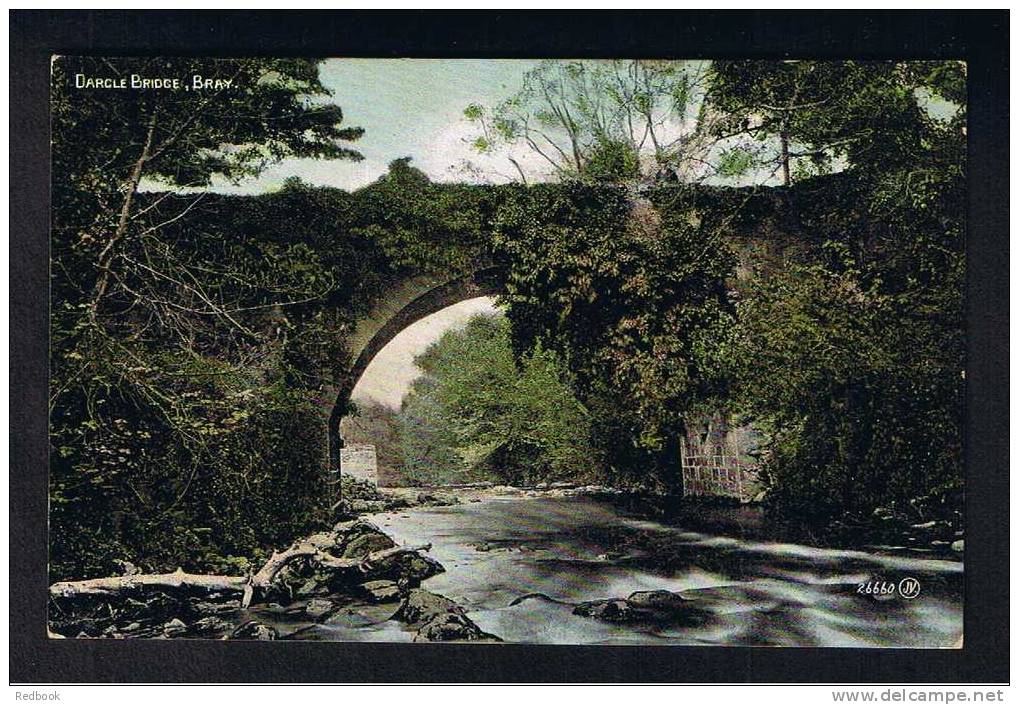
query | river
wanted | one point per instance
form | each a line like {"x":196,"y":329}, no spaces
{"x":519,"y":565}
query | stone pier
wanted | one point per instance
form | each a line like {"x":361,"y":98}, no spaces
{"x":358,"y":460}
{"x":717,"y":459}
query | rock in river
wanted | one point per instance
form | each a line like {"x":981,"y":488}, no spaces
{"x":452,"y":627}
{"x":318,"y":608}
{"x":439,"y":619}
{"x":381,"y":590}
{"x":650,"y":606}
{"x":421,"y":605}
{"x":616,"y":610}
{"x":253,"y":629}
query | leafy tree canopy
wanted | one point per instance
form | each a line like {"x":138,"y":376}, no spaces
{"x":181,"y":355}
{"x":477,"y":413}
{"x":596,"y":120}
{"x":830,"y":114}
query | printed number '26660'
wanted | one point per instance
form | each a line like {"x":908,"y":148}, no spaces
{"x":876,"y":587}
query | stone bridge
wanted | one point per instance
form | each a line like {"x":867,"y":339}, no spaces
{"x":716,"y":458}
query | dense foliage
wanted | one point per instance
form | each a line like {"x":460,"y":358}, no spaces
{"x":424,"y":226}
{"x":183,"y":355}
{"x":623,"y":292}
{"x":477,"y":413}
{"x":853,"y":357}
{"x":842,"y":339}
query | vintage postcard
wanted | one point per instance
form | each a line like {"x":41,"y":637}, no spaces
{"x":640,"y":352}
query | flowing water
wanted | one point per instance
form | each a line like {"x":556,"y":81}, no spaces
{"x":519,"y":565}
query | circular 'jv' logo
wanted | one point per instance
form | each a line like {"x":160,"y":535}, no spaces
{"x":909,"y":588}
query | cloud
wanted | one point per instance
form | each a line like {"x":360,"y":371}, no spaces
{"x":444,"y":155}
{"x":450,"y":156}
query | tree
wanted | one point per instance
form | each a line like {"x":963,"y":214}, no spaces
{"x":175,"y":387}
{"x":622,"y":291}
{"x":853,"y":358}
{"x":106,"y":144}
{"x":598,"y":120}
{"x":477,"y":413}
{"x":812,"y":117}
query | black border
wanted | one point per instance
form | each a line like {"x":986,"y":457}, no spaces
{"x":979,"y":37}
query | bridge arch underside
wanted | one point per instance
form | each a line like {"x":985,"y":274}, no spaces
{"x":716,"y":457}
{"x":414,"y":300}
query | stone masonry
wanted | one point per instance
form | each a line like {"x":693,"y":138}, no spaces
{"x":717,"y":459}
{"x":359,"y":461}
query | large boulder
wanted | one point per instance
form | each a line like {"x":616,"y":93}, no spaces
{"x":452,"y":627}
{"x":615,"y":610}
{"x":437,"y":500}
{"x":318,"y":608}
{"x":407,"y":569}
{"x":673,"y":608}
{"x":379,"y":591}
{"x":365,"y":542}
{"x":422,"y":605}
{"x":661,"y":600}
{"x":438,"y":618}
{"x":648,"y":606}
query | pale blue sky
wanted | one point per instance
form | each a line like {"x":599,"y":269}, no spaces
{"x":414,"y":108}
{"x":408,"y":107}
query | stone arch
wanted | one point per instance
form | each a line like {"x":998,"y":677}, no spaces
{"x":413,"y":300}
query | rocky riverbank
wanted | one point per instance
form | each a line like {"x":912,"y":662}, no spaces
{"x":354,"y":582}
{"x":361,"y":498}
{"x":354,"y":572}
